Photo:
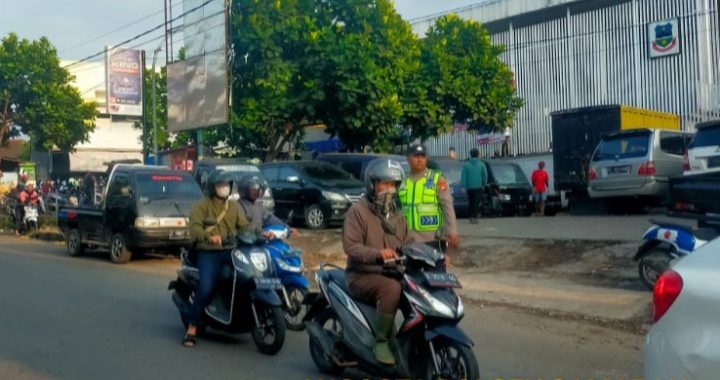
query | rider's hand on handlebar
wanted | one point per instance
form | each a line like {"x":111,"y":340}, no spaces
{"x":453,"y":241}
{"x":268,"y":235}
{"x":387,"y":255}
{"x":215,"y":239}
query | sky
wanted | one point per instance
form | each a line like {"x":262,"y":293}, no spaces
{"x":79,"y":28}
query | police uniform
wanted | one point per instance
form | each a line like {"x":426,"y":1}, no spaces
{"x":427,"y":204}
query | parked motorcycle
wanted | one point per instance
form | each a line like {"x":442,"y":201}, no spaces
{"x":665,"y":243}
{"x":246,"y":299}
{"x":30,"y":219}
{"x":289,"y":266}
{"x":428,"y":344}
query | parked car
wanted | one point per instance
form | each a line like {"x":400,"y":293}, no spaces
{"x":556,"y":199}
{"x":239,"y":168}
{"x":684,"y":342}
{"x":696,"y":195}
{"x":703,"y":153}
{"x":143,"y":208}
{"x":452,"y":170}
{"x":319,"y":193}
{"x":510,"y":190}
{"x":356,"y":163}
{"x":637,"y":164}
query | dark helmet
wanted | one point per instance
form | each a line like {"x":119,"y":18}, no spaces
{"x":218,"y":176}
{"x":382,"y":169}
{"x":249,"y":182}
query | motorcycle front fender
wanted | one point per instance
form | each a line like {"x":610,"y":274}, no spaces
{"x":266,"y":296}
{"x":296,"y":280}
{"x":451,"y":332}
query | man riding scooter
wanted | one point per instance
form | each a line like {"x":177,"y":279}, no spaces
{"x":28,"y":196}
{"x":251,"y":188}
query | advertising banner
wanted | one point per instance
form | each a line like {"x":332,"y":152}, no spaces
{"x":124,"y":82}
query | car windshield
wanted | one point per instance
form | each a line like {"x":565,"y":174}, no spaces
{"x":508,"y":174}
{"x":451,"y":170}
{"x":708,"y":136}
{"x":327,"y":174}
{"x":622,"y":146}
{"x":153,"y":186}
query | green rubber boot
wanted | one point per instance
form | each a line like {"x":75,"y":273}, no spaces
{"x":382,"y":350}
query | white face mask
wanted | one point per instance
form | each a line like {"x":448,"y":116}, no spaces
{"x":222,"y":191}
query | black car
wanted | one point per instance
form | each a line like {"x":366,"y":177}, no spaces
{"x":451,"y":170}
{"x":510,"y":191}
{"x":318,"y":192}
{"x":357,"y":163}
{"x":144,"y":208}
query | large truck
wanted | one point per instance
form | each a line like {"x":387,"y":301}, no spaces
{"x":577,"y":132}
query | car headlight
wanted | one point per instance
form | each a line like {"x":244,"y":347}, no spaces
{"x":505,"y":197}
{"x":287,"y":267}
{"x":259,"y":260}
{"x":437,"y":305}
{"x":147,"y":222}
{"x":335,"y":197}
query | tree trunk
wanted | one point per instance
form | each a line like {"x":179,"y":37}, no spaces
{"x":5,"y":120}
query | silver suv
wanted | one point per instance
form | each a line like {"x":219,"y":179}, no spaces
{"x":637,"y":164}
{"x":703,"y":154}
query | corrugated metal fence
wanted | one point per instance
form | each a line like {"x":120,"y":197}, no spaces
{"x":601,"y":57}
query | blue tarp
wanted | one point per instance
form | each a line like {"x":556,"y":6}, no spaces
{"x":324,"y":146}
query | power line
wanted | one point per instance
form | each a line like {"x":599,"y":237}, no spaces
{"x":143,"y":34}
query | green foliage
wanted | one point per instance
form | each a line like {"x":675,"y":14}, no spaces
{"x":465,"y":75}
{"x":37,"y":98}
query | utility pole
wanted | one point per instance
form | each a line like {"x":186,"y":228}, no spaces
{"x":154,"y":100}
{"x":166,"y":33}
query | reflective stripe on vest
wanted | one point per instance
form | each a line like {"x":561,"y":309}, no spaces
{"x":420,"y":202}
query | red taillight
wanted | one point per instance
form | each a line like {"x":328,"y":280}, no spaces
{"x":592,"y":174}
{"x":686,"y":162}
{"x":647,"y":168}
{"x":667,"y":290}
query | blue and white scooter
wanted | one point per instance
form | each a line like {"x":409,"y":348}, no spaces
{"x":289,"y":267}
{"x":666,"y":243}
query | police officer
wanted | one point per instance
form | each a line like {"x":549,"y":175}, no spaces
{"x":427,"y":203}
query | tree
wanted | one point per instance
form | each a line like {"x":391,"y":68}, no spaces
{"x":465,"y":76}
{"x":275,"y":85}
{"x":371,"y":59}
{"x":37,"y":98}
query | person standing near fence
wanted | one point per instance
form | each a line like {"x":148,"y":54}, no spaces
{"x":540,"y":182}
{"x":474,"y":178}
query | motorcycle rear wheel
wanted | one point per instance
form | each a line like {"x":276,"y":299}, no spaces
{"x":272,"y":324}
{"x":329,"y":322}
{"x":653,"y":264}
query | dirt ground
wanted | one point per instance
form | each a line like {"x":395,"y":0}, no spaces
{"x":594,"y":263}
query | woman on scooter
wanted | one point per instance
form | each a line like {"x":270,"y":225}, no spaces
{"x":373,"y":230}
{"x":214,"y":242}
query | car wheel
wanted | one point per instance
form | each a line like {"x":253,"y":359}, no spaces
{"x":75,"y":247}
{"x":119,"y":251}
{"x":315,"y":217}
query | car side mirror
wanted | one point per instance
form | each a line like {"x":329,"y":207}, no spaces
{"x":295,"y":179}
{"x":209,"y":222}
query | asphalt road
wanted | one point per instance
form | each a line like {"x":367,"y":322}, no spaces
{"x":85,"y":318}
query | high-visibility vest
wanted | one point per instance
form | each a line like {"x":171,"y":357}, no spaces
{"x":420,"y":202}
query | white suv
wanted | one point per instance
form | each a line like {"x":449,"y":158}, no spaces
{"x":703,"y":153}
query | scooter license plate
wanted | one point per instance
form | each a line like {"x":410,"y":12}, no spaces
{"x":267,"y":283}
{"x":442,"y":280}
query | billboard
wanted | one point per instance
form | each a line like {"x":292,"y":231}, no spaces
{"x":124,"y":84}
{"x":198,"y":86}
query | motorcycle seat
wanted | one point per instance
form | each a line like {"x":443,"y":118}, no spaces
{"x":706,"y":234}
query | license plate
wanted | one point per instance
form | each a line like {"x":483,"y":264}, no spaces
{"x":268,"y":283}
{"x":178,"y":235}
{"x":442,"y":280}
{"x":713,"y":162}
{"x":625,"y":169}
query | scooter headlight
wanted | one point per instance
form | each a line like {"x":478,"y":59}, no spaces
{"x":438,"y":306}
{"x":287,"y":267}
{"x":239,"y":255}
{"x":259,"y":261}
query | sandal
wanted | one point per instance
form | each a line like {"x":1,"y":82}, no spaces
{"x":189,"y":341}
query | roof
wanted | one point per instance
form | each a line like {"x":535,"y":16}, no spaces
{"x":296,"y":163}
{"x":12,"y":149}
{"x":708,"y":124}
{"x":585,"y":109}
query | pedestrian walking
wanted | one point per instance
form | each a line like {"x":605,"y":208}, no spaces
{"x":540,"y":181}
{"x":474,"y":178}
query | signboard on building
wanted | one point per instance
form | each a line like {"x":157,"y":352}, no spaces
{"x":124,"y":83}
{"x":664,"y":38}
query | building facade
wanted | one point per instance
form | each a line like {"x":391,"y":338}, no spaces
{"x":655,"y":54}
